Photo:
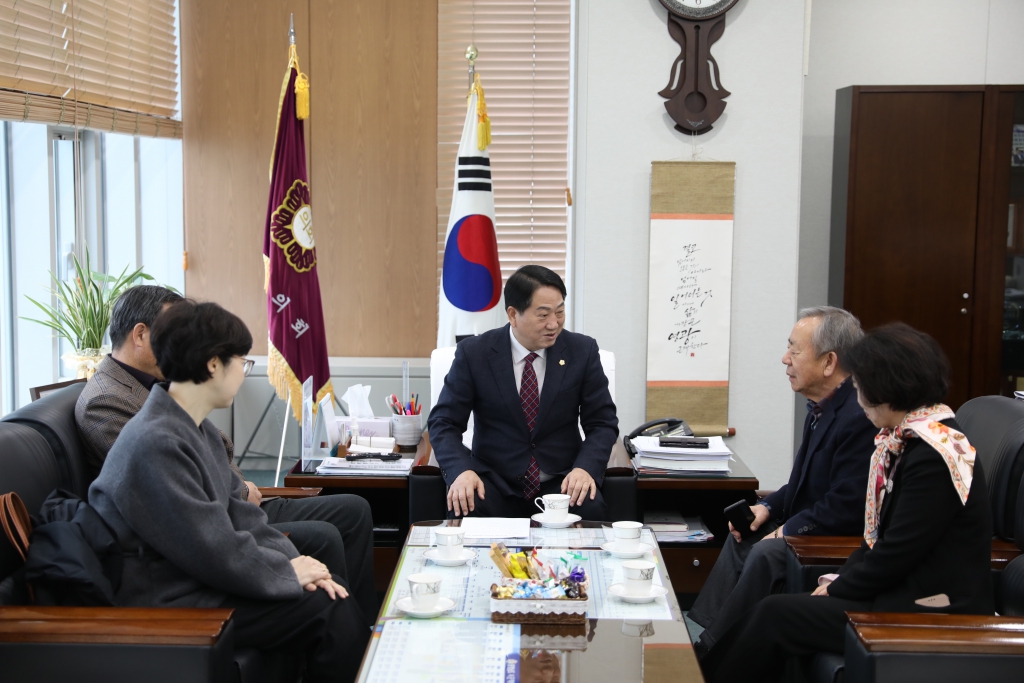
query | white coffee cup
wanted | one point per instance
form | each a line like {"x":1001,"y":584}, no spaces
{"x":639,"y":576}
{"x":449,"y":540}
{"x":627,"y":536}
{"x":555,"y":506}
{"x":424,"y":589}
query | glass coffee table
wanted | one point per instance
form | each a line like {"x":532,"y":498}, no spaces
{"x":620,"y":642}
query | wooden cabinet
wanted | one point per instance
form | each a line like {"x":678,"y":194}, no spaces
{"x":920,"y":216}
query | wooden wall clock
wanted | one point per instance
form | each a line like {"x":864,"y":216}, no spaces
{"x":695,"y":99}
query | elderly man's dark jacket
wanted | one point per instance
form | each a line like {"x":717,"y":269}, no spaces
{"x":482,"y":381}
{"x":828,"y":485}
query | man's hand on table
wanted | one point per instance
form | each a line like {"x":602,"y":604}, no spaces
{"x":460,"y":493}
{"x":578,"y":484}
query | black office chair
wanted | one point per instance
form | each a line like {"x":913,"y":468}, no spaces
{"x":428,"y":494}
{"x":53,"y":418}
{"x":995,"y":427}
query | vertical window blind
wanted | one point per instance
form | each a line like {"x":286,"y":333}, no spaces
{"x":524,"y":70}
{"x":105,"y":64}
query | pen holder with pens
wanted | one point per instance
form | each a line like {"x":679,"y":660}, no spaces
{"x":407,"y":429}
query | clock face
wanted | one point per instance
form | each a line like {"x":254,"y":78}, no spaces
{"x":697,"y":10}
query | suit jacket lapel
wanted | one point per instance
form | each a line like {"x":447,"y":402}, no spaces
{"x":554,"y":372}
{"x":828,"y":416}
{"x":505,"y":378}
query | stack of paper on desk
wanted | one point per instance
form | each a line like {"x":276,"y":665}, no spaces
{"x":653,"y":458}
{"x":364,"y":468}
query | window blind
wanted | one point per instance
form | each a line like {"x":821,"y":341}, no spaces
{"x":106,"y":64}
{"x":524,"y":70}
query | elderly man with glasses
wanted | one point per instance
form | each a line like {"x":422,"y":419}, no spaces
{"x":337,"y":529}
{"x":825,"y":493}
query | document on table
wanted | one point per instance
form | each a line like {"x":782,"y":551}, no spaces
{"x":424,"y":651}
{"x":496,"y":527}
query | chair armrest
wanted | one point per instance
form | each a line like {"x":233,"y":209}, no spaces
{"x":937,"y":633}
{"x":428,"y":494}
{"x":289,"y":491}
{"x":902,"y":648}
{"x":113,"y":625}
{"x":619,"y":491}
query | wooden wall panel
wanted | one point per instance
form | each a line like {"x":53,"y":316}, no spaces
{"x":374,"y":159}
{"x":232,"y":63}
{"x":371,"y":141}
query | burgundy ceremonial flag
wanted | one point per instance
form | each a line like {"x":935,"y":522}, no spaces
{"x":297,"y":347}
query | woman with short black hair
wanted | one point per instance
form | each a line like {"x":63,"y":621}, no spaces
{"x":927,"y":527}
{"x":189,"y":540}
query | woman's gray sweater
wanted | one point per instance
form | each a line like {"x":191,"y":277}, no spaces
{"x":189,"y":540}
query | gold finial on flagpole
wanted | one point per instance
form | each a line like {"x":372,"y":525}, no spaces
{"x":471,"y":54}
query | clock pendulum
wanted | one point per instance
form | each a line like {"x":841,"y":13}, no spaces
{"x":696,"y":100}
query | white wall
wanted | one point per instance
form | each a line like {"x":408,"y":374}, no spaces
{"x":624,"y":56}
{"x":880,"y":42}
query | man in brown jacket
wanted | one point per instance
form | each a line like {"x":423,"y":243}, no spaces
{"x":337,"y":529}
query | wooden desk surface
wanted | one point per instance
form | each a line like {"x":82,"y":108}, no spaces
{"x":741,"y":478}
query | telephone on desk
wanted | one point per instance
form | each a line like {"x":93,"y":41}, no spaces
{"x":665,"y":426}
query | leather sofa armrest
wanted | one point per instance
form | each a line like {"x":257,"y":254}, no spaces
{"x":289,"y":491}
{"x":113,"y":625}
{"x":908,"y":648}
{"x":619,"y":491}
{"x":428,"y":494}
{"x":811,"y":557}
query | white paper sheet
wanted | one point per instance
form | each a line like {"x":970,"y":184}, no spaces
{"x":496,"y":527}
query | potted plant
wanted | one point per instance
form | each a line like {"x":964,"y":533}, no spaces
{"x":82,"y":313}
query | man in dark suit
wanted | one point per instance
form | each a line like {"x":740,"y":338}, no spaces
{"x":825,"y":493}
{"x":530,"y":387}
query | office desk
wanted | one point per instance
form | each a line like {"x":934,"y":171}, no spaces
{"x":689,"y":564}
{"x":704,"y":496}
{"x":468,"y":647}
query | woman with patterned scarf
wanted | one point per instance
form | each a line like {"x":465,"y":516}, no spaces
{"x":927,"y":526}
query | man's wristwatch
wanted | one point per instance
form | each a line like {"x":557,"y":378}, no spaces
{"x":245,"y":491}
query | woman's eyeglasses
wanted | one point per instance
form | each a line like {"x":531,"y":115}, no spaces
{"x":247,"y":364}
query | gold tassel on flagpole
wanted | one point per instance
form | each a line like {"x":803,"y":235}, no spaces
{"x":302,"y":97}
{"x":483,"y":131}
{"x":301,"y":86}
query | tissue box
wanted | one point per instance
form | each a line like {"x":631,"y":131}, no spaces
{"x":378,"y":426}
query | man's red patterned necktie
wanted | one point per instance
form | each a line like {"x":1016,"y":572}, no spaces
{"x":530,"y":398}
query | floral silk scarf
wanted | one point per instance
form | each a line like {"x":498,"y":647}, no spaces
{"x":923,"y":423}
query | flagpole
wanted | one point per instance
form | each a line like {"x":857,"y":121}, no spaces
{"x":291,"y":29}
{"x":284,"y":433}
{"x":471,"y":54}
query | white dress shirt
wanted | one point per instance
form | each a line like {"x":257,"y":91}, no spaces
{"x":519,"y":354}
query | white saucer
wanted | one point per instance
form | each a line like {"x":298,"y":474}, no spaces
{"x":434,"y":556}
{"x":639,"y":552}
{"x":443,"y":605}
{"x":569,"y":520}
{"x":619,"y":591}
